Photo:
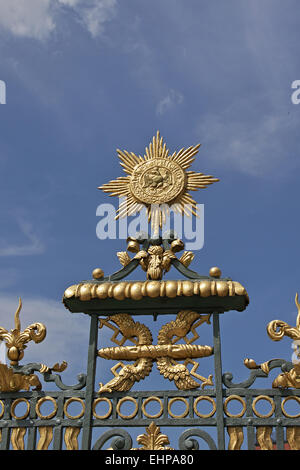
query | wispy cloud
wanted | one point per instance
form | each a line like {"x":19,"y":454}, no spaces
{"x":94,"y":14}
{"x":253,"y":141}
{"x":27,"y":18}
{"x":32,"y":246}
{"x":38,"y":19}
{"x":172,"y":99}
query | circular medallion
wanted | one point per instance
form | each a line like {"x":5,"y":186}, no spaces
{"x":157,"y":181}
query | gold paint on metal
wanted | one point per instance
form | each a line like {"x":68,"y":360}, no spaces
{"x":215,"y":272}
{"x":136,"y":290}
{"x":72,"y":400}
{"x":263,"y":397}
{"x":129,"y":374}
{"x":165,"y":353}
{"x":11,"y":382}
{"x":228,"y":400}
{"x":284,"y":402}
{"x":205,"y":381}
{"x":251,"y":364}
{"x":186,"y":411}
{"x":263,"y":436}
{"x":210,"y":400}
{"x":16,"y":340}
{"x":2,"y":409}
{"x":98,"y":273}
{"x":293,"y":437}
{"x":110,"y":407}
{"x":15,"y":403}
{"x":71,"y":438}
{"x":123,"y":400}
{"x":153,"y":439}
{"x":186,"y":258}
{"x":56,"y":368}
{"x":148,"y":400}
{"x":178,"y":351}
{"x":156,"y":261}
{"x":284,"y":380}
{"x":17,"y":438}
{"x":157,"y":181}
{"x":46,"y":436}
{"x":276,"y":330}
{"x":39,"y":404}
{"x":288,"y":379}
{"x":236,"y":437}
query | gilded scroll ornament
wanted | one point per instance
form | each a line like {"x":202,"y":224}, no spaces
{"x":16,"y":339}
{"x":12,"y":379}
{"x":166,"y":353}
{"x":157,"y":181}
{"x":276,"y":330}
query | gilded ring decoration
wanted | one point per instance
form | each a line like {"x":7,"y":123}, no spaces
{"x":106,"y":415}
{"x":39,"y":404}
{"x":148,"y":400}
{"x":13,"y":407}
{"x":184,"y":414}
{"x":263,"y":397}
{"x":71,"y":400}
{"x":283,"y":409}
{"x":210,"y":400}
{"x":123,"y":400}
{"x":229,"y":399}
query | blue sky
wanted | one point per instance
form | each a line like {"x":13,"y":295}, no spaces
{"x":85,"y":78}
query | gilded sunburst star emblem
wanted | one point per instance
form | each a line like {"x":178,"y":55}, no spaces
{"x":157,"y":181}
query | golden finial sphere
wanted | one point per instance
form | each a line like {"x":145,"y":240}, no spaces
{"x":98,"y":273}
{"x":215,"y":272}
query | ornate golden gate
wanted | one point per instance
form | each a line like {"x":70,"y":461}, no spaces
{"x":157,"y":181}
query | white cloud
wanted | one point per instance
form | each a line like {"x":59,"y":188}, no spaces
{"x":33,"y":246}
{"x":172,"y":99}
{"x":95,"y":14}
{"x":27,"y":18}
{"x":37,"y":19}
{"x":70,"y":3}
{"x":252,"y":141}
